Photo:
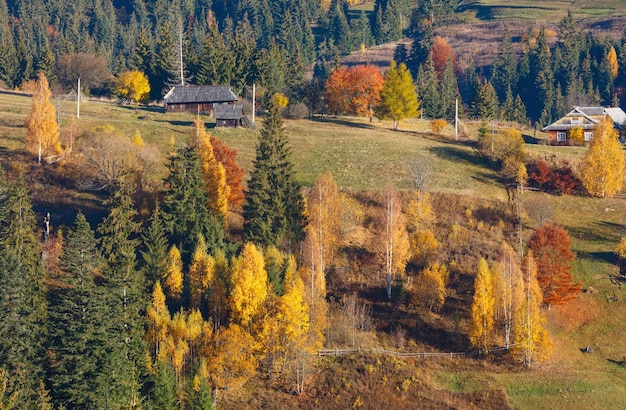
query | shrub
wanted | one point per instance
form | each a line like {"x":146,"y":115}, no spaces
{"x":438,"y":125}
{"x":542,"y":174}
{"x":563,"y":181}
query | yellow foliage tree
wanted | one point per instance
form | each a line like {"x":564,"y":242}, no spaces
{"x":431,"y":286}
{"x":602,"y":171}
{"x":420,"y":213}
{"x":133,"y":85}
{"x":507,"y":289}
{"x":611,"y":59}
{"x":249,"y":285}
{"x":158,"y":319}
{"x":532,"y":342}
{"x":232,"y":361}
{"x":424,"y":246}
{"x":201,"y":273}
{"x":173,"y":279}
{"x":43,"y":130}
{"x":324,"y":229}
{"x":395,"y":238}
{"x":483,"y":308}
{"x":218,"y":297}
{"x":576,"y":136}
{"x":213,"y":171}
{"x":438,"y":125}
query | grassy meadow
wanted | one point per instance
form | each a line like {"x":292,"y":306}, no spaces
{"x":538,"y":10}
{"x":370,"y":156}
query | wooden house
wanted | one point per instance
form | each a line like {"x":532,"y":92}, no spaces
{"x":586,"y":119}
{"x":228,"y":115}
{"x":198,"y":99}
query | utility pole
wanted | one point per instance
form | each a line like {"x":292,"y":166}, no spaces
{"x":78,"y":100}
{"x":456,"y":120}
{"x":253,"y":101}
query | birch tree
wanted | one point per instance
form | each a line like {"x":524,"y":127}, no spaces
{"x":602,"y":171}
{"x":43,"y":130}
{"x":395,"y":237}
{"x":481,"y":325}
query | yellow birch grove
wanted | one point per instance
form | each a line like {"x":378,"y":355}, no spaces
{"x":532,"y":342}
{"x":43,"y":130}
{"x":133,"y":85}
{"x":602,"y":171}
{"x":213,"y":171}
{"x":173,"y":279}
{"x":158,"y":319}
{"x":395,"y":237}
{"x":508,"y":290}
{"x":249,"y":285}
{"x":483,"y":308}
{"x":324,"y":229}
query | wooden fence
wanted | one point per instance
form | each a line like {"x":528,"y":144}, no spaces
{"x":418,"y":355}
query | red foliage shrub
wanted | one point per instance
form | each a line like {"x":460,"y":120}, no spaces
{"x":542,"y":174}
{"x":563,"y":181}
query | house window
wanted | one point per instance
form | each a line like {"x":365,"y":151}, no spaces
{"x":575,"y":121}
{"x":561,"y":136}
{"x":588,"y":135}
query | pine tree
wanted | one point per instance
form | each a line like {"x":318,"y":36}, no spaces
{"x":504,"y":68}
{"x":76,"y":322}
{"x":154,"y":252}
{"x":398,"y":99}
{"x":273,"y":211}
{"x":22,"y":296}
{"x":185,"y":205}
{"x":124,"y":284}
{"x":449,"y":90}
{"x":428,"y":87}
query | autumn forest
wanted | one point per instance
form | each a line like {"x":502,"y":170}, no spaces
{"x":188,"y":267}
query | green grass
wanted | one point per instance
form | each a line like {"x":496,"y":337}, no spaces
{"x":370,"y":156}
{"x":538,"y":10}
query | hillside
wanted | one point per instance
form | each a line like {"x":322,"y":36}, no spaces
{"x":469,"y":199}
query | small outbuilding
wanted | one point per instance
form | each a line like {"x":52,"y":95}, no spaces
{"x":198,"y":99}
{"x":228,"y":115}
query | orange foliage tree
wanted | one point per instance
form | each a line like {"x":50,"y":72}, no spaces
{"x":354,"y":90}
{"x":441,"y":53}
{"x":234,"y":173}
{"x":551,"y":247}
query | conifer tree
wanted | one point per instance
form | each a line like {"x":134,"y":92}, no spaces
{"x":398,"y":96}
{"x":43,"y":130}
{"x":76,"y":322}
{"x":274,"y":207}
{"x":185,"y":205}
{"x":154,"y":252}
{"x":428,"y":86}
{"x":449,"y":90}
{"x":22,"y":295}
{"x":125,"y":286}
{"x":483,"y":308}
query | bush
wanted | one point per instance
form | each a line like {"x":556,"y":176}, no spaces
{"x":438,"y":125}
{"x":563,"y":181}
{"x":298,"y":111}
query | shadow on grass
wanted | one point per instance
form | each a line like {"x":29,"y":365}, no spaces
{"x":608,"y":257}
{"x":339,"y":121}
{"x":597,"y":232}
{"x":456,"y":154}
{"x":139,"y":108}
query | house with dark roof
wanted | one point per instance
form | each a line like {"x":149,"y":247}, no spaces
{"x":198,"y":99}
{"x":229,"y":115}
{"x":585,"y":119}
